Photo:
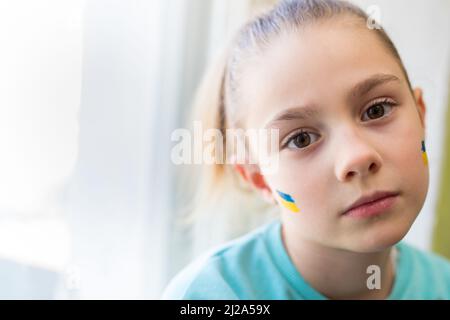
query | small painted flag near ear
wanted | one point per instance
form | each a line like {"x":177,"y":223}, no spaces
{"x":424,"y":153}
{"x":288,"y":202}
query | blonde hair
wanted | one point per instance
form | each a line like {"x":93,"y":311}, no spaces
{"x":216,"y":101}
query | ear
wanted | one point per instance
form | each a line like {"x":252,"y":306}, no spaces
{"x":252,"y":174}
{"x":420,"y":105}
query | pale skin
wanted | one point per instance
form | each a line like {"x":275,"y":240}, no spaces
{"x":348,"y":154}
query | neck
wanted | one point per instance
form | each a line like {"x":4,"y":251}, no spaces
{"x":337,"y":273}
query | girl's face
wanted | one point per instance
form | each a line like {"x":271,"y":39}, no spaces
{"x":362,"y":132}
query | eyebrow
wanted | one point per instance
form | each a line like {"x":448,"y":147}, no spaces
{"x":297,"y":113}
{"x":369,"y":84}
{"x":308,"y":111}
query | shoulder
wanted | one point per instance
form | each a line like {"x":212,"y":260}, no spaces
{"x":427,"y":259}
{"x":223,"y":272}
{"x":430,"y":271}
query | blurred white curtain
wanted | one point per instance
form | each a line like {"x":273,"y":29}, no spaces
{"x":141,"y":62}
{"x":40,"y":84}
{"x":118,"y":199}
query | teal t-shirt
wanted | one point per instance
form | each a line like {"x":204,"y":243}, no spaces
{"x":257,"y":266}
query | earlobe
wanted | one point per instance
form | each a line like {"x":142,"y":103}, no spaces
{"x":256,"y":180}
{"x":260,"y":185}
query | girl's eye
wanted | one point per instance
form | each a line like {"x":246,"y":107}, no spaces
{"x":300,"y":140}
{"x":377,"y":110}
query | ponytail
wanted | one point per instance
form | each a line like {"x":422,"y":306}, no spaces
{"x":222,"y":205}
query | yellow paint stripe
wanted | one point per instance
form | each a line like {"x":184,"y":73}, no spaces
{"x":290,"y":205}
{"x":425,"y":158}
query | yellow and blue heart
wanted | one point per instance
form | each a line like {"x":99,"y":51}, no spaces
{"x":424,"y":154}
{"x":288,"y":202}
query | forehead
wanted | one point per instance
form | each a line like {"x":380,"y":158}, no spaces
{"x":317,"y":65}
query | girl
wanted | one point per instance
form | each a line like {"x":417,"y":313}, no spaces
{"x":352,"y":171}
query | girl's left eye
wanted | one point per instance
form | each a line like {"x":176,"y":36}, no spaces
{"x":377,"y":109}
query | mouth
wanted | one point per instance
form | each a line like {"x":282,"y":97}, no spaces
{"x":372,"y":204}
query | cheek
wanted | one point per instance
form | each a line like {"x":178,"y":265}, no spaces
{"x":410,"y":161}
{"x":311,"y":194}
{"x":410,"y":142}
{"x":304,"y":187}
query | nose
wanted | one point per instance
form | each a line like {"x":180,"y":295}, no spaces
{"x":355,"y":157}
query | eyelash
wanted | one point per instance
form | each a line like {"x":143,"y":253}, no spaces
{"x":295,"y":135}
{"x":382,"y":101}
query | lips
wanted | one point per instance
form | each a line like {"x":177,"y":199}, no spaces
{"x":367,"y":199}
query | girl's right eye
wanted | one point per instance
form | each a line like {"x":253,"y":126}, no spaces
{"x":300,"y":140}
